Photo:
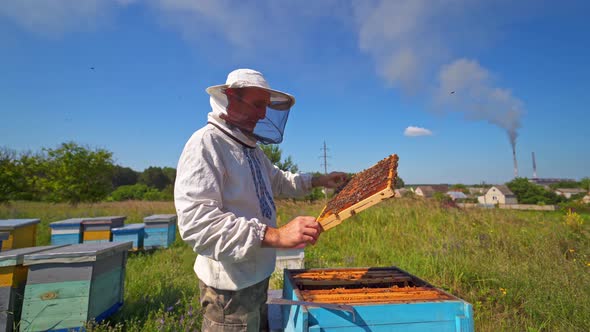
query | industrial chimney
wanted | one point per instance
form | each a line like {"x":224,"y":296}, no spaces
{"x":534,"y":167}
{"x":515,"y":164}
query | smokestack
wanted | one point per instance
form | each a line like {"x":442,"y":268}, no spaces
{"x":534,"y":167}
{"x":515,"y":164}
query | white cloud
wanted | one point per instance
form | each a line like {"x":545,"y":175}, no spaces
{"x":412,"y":131}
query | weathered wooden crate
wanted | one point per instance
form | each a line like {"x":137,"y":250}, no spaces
{"x":13,"y":277}
{"x":22,"y":233}
{"x":67,"y":231}
{"x":3,"y":237}
{"x":98,"y":230}
{"x":369,"y":299}
{"x":69,"y":286}
{"x":130,"y":233}
{"x":160,"y":230}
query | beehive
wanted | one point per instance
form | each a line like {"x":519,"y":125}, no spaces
{"x":68,"y":286}
{"x":160,"y":230}
{"x":22,"y":233}
{"x":364,"y":190}
{"x":369,"y":299}
{"x":98,"y":230}
{"x":3,"y":237}
{"x":131,"y":232}
{"x":67,"y":231}
{"x":13,"y":277}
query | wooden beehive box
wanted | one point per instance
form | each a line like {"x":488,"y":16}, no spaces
{"x":364,"y":190}
{"x":369,"y":299}
{"x":13,"y":277}
{"x":22,"y":233}
{"x":160,"y":230}
{"x":98,"y":230}
{"x":67,"y":231}
{"x":69,"y":286}
{"x":130,"y":233}
{"x":3,"y":237}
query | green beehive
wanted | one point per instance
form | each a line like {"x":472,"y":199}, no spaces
{"x":13,"y":277}
{"x":71,"y":285}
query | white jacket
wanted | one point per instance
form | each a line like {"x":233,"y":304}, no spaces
{"x":224,"y":200}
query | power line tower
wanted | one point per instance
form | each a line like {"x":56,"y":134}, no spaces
{"x":325,"y":165}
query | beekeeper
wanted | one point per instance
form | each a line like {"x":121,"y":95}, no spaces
{"x":224,"y":200}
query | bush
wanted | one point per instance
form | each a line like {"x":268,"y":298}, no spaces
{"x":124,"y":193}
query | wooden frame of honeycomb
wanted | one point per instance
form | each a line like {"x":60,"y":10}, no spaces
{"x":364,"y":190}
{"x":363,"y":286}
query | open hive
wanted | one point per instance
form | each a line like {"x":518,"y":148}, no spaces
{"x":375,"y":299}
{"x":364,"y":190}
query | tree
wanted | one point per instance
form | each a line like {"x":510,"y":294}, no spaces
{"x":76,"y":174}
{"x":273,"y":153}
{"x":585,"y":183}
{"x":530,"y":193}
{"x":154,"y":177}
{"x":9,"y":174}
{"x":399,"y":182}
{"x":170,"y":173}
{"x":124,"y":176}
{"x":460,"y":187}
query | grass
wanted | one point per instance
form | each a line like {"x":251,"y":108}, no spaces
{"x":521,"y":270}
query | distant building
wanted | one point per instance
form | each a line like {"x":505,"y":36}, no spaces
{"x":548,"y":181}
{"x":477,"y":190}
{"x":586,"y":199}
{"x":499,"y":194}
{"x":455,"y":195}
{"x":569,"y":192}
{"x":428,"y":191}
{"x":401,"y":192}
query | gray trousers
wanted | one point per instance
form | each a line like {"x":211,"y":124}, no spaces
{"x":242,"y":310}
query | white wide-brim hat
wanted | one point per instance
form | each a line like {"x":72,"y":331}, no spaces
{"x":249,"y":78}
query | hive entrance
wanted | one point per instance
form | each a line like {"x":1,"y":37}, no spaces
{"x":365,"y":189}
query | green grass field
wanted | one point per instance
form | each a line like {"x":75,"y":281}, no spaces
{"x":522,"y":271}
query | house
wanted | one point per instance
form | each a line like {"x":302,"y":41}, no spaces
{"x":586,"y":199}
{"x":569,"y":192}
{"x":401,"y":192}
{"x":428,"y":191}
{"x":455,"y":195}
{"x":476,"y":190}
{"x":499,"y":194}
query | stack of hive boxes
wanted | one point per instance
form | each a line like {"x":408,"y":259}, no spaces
{"x":68,"y":286}
{"x":22,"y":233}
{"x":13,"y":277}
{"x":98,"y":230}
{"x":160,"y":230}
{"x":67,"y":231}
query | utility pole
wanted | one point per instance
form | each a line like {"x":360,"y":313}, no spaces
{"x":325,"y":164}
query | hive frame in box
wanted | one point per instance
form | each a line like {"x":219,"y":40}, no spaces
{"x":332,"y":219}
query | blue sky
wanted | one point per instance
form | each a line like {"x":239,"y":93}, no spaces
{"x":371,"y":78}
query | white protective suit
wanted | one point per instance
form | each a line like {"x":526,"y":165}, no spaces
{"x":224,"y":200}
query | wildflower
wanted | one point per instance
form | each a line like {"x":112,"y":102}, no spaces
{"x":571,"y":250}
{"x":503,"y":290}
{"x":170,"y":308}
{"x":588,"y":264}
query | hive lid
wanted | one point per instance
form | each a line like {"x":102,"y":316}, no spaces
{"x":75,"y":253}
{"x":160,"y":218}
{"x":15,"y":256}
{"x":66,"y":223}
{"x":128,"y":227}
{"x":10,"y":224}
{"x":104,"y":220}
{"x":4,"y":236}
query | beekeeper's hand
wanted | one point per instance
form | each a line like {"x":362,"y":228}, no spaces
{"x":298,"y":233}
{"x":332,"y":180}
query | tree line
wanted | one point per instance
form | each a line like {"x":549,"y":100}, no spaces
{"x":73,"y":173}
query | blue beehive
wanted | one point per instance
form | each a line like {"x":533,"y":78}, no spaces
{"x":369,"y":299}
{"x":67,"y":231}
{"x":130,"y":233}
{"x":3,"y":237}
{"x":160,"y":230}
